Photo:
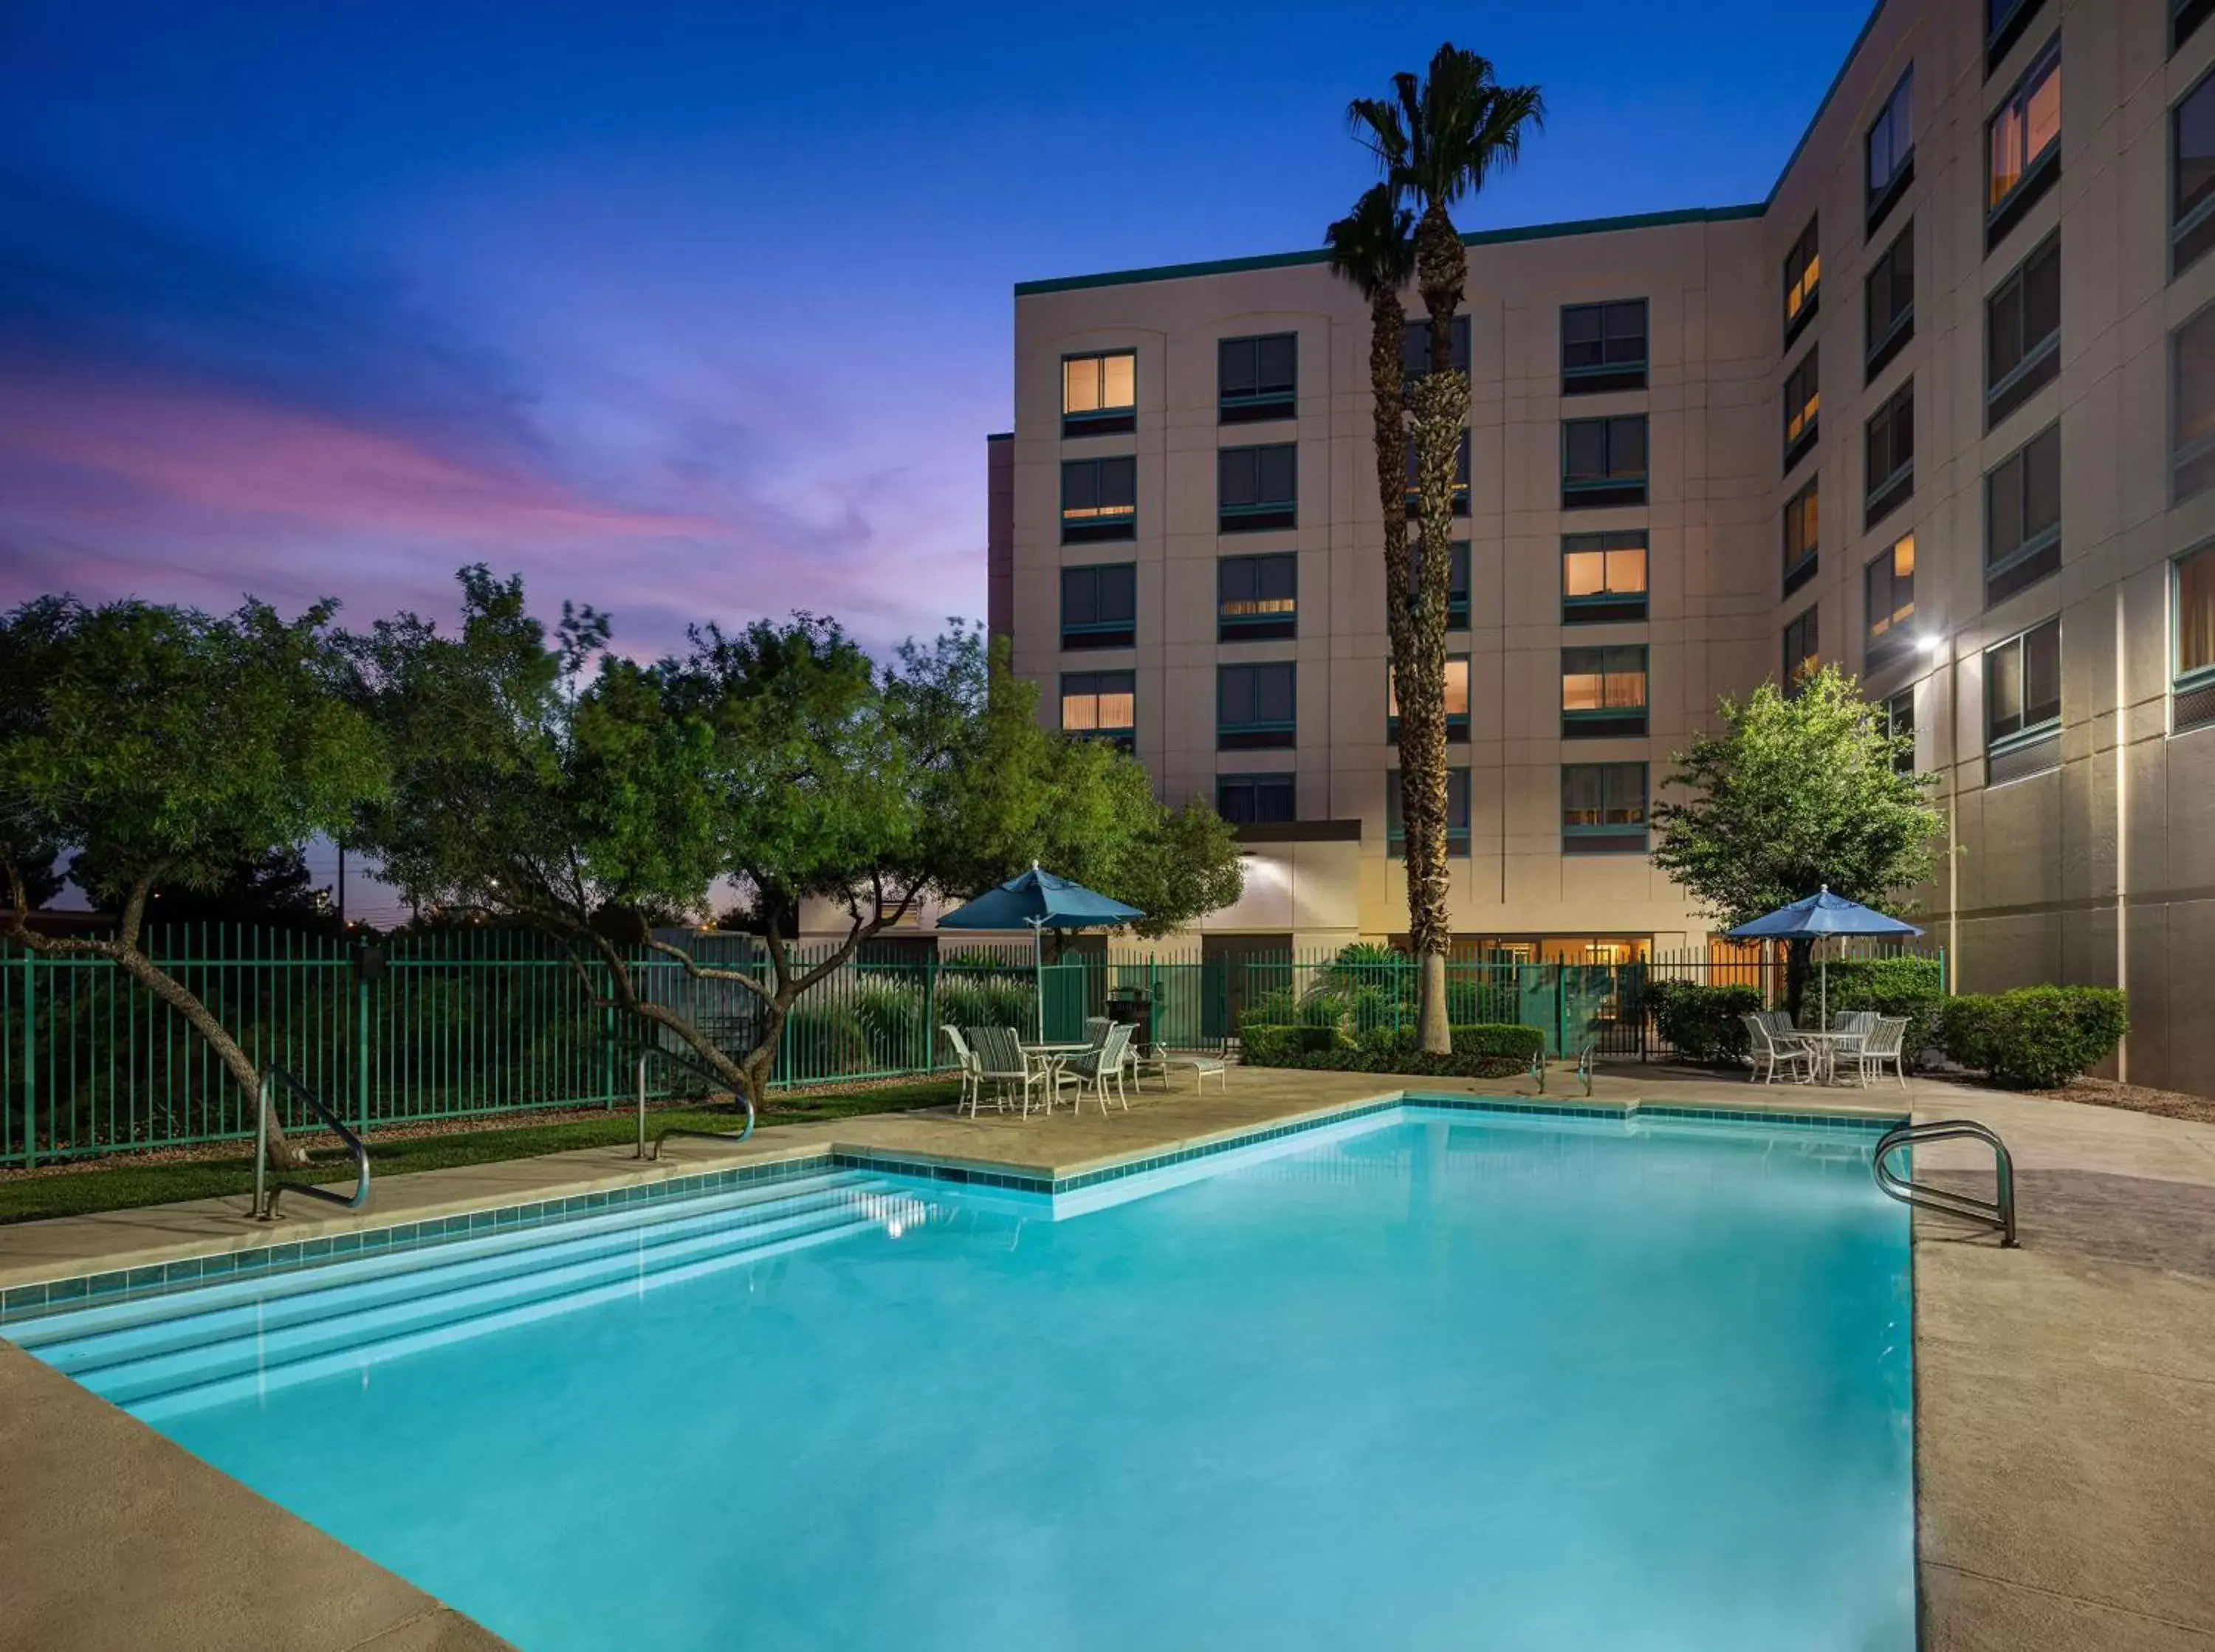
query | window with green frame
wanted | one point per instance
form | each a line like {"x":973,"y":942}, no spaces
{"x":1461,"y":478}
{"x":1257,"y":378}
{"x":2022,"y":517}
{"x":1603,"y":347}
{"x":1457,"y":814}
{"x":1257,"y":599}
{"x":2023,"y":698}
{"x":1256,"y":799}
{"x":1899,"y":724}
{"x":1100,"y":606}
{"x":2023,"y":145}
{"x":1803,"y":278}
{"x":2023,"y":331}
{"x":1888,"y":600}
{"x":2192,"y":682}
{"x":1603,"y":462}
{"x":1456,"y":580}
{"x":2192,"y":405}
{"x":1889,"y":291}
{"x":1889,"y":145}
{"x":1802,"y":540}
{"x":1415,"y":347}
{"x":1102,"y":705}
{"x":1604,"y":692}
{"x":1802,"y":655}
{"x":1803,"y":406}
{"x":1602,"y":577}
{"x":1888,"y":457}
{"x":2004,"y":23}
{"x":2192,"y":176}
{"x":1100,"y":392}
{"x":1254,"y":706}
{"x":1602,"y":808}
{"x":1457,"y":700}
{"x":1257,"y":488}
{"x":1099,"y":500}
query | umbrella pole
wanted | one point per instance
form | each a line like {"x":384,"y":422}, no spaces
{"x":1825,"y":999}
{"x":1038,"y":973}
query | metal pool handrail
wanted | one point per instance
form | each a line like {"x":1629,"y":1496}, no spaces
{"x":677,"y":1058}
{"x":265,"y":1192}
{"x":1996,"y":1213}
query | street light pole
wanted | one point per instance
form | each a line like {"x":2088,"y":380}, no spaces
{"x":1934,"y":645}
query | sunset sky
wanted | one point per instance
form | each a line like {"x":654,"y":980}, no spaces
{"x":688,"y":312}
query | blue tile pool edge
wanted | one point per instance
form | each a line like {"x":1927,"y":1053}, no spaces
{"x":28,"y":1302}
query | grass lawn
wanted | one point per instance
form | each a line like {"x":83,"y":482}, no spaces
{"x":119,"y":1186}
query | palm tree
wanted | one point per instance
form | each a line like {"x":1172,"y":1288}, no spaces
{"x":1439,"y":138}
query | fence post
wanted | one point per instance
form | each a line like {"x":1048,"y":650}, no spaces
{"x":30,"y":1062}
{"x":361,"y":1045}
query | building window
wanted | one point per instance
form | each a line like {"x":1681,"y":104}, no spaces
{"x":1457,"y":700}
{"x":1257,"y":488}
{"x":1100,"y":392}
{"x":2024,"y":145}
{"x":1457,"y":581}
{"x":1099,"y":500}
{"x":2192,"y":682}
{"x":2023,"y":331}
{"x":2023,"y":704}
{"x":1461,"y":478}
{"x":2191,"y":377}
{"x":1602,"y":808}
{"x":2022,"y":516}
{"x":1890,"y":292}
{"x":1803,"y":520}
{"x":2192,"y":176}
{"x":1899,"y":726}
{"x":1803,"y":273}
{"x":2004,"y":22}
{"x":1602,"y":577}
{"x":1891,"y":149}
{"x":1100,"y":606}
{"x":1603,"y":461}
{"x":1257,"y":378}
{"x":1396,"y":833}
{"x":1100,"y":704}
{"x":1603,"y":691}
{"x":1257,"y":599}
{"x":1604,"y":347}
{"x":1888,"y":450}
{"x":1415,"y":347}
{"x":1803,"y":402}
{"x":1256,"y":799}
{"x":1888,"y":588}
{"x":1254,"y":707}
{"x":1802,"y":656}
{"x":2184,"y":17}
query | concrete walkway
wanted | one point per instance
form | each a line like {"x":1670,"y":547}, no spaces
{"x":2065,"y":1407}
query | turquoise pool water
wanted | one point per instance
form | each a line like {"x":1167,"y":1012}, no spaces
{"x":1424,"y":1379}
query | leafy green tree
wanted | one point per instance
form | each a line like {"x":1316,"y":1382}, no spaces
{"x":165,"y":748}
{"x":1799,"y":791}
{"x":1439,"y":138}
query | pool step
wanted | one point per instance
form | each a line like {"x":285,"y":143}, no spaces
{"x":351,"y":1314}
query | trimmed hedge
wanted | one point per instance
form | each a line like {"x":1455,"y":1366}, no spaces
{"x":1905,"y":986}
{"x":2034,"y":1038}
{"x":1481,"y":1050}
{"x":1702,"y":1022}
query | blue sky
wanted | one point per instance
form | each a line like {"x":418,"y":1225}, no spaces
{"x":691,"y":312}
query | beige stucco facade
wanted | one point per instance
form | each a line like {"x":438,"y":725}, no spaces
{"x":2096,"y":864}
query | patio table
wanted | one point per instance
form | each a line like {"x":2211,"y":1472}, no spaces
{"x":1827,"y":1047}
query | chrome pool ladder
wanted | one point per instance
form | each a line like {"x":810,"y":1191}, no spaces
{"x":1996,"y":1213}
{"x":267,"y":1192}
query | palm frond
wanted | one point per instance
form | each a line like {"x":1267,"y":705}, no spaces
{"x":1373,"y":246}
{"x":1443,"y":134}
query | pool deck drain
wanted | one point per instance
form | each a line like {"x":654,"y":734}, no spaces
{"x":2066,"y":1391}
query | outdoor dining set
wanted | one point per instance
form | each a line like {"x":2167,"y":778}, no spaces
{"x":1010,"y":1071}
{"x":1859,"y":1043}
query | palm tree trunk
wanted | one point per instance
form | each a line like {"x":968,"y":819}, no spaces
{"x":1441,"y":407}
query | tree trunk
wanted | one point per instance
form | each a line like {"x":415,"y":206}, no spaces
{"x":1441,"y":409}
{"x":1796,"y":969}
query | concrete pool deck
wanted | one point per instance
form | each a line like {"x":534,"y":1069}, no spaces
{"x":2065,"y":1403}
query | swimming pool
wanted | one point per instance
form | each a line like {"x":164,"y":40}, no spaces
{"x":1416,"y":1378}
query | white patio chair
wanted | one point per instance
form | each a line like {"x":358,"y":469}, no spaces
{"x":972,"y":1085}
{"x":1156,"y":1059}
{"x":1886,"y":1044}
{"x":1001,"y":1061}
{"x":1104,"y":1063}
{"x":1771,"y":1051}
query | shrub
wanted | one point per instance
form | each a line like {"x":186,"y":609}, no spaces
{"x":1480,"y":1051}
{"x":987,"y":999}
{"x":1907,"y":986}
{"x":2034,"y":1038}
{"x":891,"y":1015}
{"x":1702,"y":1022}
{"x":822,"y":1040}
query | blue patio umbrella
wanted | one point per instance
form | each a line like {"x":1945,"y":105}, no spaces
{"x":1816,"y":916}
{"x":1039,"y":901}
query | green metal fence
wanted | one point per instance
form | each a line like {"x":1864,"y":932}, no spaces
{"x":469,"y":1023}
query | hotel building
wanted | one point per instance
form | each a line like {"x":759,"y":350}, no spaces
{"x":1941,"y":409}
